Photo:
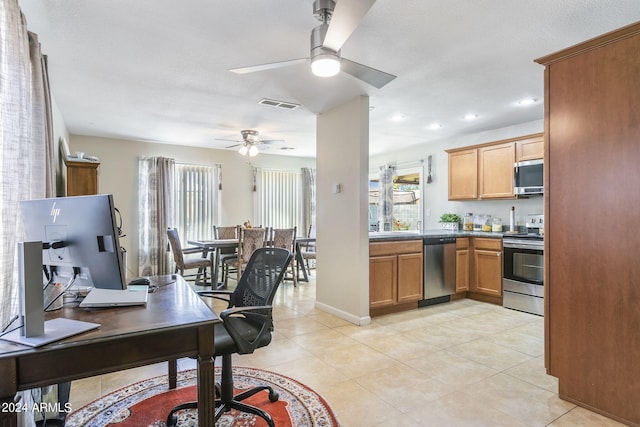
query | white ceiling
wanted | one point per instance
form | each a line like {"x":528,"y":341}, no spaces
{"x":157,"y":70}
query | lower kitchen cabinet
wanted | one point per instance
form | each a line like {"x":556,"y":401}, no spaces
{"x":462,"y":264}
{"x":395,"y":276}
{"x":487,"y":260}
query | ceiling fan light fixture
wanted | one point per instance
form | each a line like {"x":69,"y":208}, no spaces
{"x":243,"y":150}
{"x":253,"y":151}
{"x":325,"y":65}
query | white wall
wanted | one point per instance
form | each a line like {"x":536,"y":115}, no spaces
{"x":435,"y":198}
{"x":118,"y":175}
{"x":342,"y":274}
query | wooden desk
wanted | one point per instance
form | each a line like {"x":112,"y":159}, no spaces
{"x":175,"y":323}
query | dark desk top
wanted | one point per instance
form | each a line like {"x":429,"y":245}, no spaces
{"x":172,"y":306}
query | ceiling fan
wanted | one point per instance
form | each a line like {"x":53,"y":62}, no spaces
{"x":338,"y":22}
{"x":250,"y":142}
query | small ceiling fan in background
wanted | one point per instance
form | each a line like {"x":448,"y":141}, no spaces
{"x":250,"y":142}
{"x":338,"y":22}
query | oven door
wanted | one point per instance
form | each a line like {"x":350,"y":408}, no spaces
{"x":523,"y":263}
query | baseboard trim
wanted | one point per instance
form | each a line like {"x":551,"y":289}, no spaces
{"x":360,"y":321}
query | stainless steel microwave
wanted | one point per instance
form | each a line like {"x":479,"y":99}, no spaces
{"x":528,"y":177}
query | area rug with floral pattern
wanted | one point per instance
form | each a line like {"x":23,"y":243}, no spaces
{"x":147,"y":403}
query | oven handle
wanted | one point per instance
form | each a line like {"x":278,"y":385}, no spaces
{"x":537,"y":247}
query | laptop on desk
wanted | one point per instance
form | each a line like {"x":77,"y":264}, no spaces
{"x":104,"y":298}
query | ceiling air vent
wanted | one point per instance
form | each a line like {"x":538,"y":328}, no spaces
{"x":278,"y":104}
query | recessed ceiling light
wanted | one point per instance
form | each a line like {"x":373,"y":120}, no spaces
{"x":471,"y":116}
{"x":434,"y":126}
{"x":527,"y":101}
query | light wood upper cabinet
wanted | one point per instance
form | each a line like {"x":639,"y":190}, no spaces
{"x":486,"y":171}
{"x":530,"y":149}
{"x":496,"y":171}
{"x":463,"y":174}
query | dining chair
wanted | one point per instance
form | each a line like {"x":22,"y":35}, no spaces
{"x":227,"y":255}
{"x":182,"y":263}
{"x":285,"y":238}
{"x":249,"y":239}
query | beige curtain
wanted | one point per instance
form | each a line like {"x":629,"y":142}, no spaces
{"x":156,"y":203}
{"x":308,"y":200}
{"x":26,"y":142}
{"x":27,"y":161}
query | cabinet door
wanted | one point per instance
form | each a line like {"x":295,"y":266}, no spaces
{"x":462,"y":270}
{"x":82,"y":178}
{"x":463,"y":175}
{"x":410,"y":277}
{"x":488,"y":272}
{"x":530,"y":149}
{"x":383,"y":273}
{"x":496,"y":171}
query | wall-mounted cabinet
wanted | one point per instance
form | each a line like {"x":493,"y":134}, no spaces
{"x":463,"y":174}
{"x":530,"y":149}
{"x":486,"y":171}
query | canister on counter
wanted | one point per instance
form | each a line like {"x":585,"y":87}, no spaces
{"x":496,"y":225}
{"x":468,"y":222}
{"x":486,"y":224}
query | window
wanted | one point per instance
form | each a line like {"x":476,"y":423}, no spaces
{"x":279,"y":199}
{"x":197,"y":200}
{"x":401,"y":187}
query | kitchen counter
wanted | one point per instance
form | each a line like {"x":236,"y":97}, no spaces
{"x":379,"y":236}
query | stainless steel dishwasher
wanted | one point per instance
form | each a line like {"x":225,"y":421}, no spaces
{"x":439,"y":270}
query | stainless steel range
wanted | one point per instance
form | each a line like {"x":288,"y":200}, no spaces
{"x":523,"y":268}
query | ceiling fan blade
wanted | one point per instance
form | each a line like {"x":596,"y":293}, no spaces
{"x":224,"y":139}
{"x":269,"y":66}
{"x":345,"y":19}
{"x":233,"y":146}
{"x":368,"y":75}
{"x":270,"y":141}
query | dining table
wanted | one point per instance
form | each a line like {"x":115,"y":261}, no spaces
{"x":211,"y":248}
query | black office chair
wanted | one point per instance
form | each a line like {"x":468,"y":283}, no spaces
{"x":246,"y":325}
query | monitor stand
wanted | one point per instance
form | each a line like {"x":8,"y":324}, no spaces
{"x":34,"y":331}
{"x":54,"y":330}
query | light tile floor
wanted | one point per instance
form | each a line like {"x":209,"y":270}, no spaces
{"x":463,"y":363}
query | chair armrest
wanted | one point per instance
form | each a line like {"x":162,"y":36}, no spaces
{"x":255,"y":315}
{"x":221,"y":295}
{"x":193,"y":250}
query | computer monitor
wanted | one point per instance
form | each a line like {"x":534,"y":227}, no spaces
{"x":80,"y":238}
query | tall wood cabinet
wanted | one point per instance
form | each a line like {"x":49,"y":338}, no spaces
{"x":592,"y":273}
{"x":82,"y":178}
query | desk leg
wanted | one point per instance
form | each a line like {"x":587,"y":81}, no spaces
{"x":8,"y":418}
{"x":172,"y":366}
{"x":206,"y":378}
